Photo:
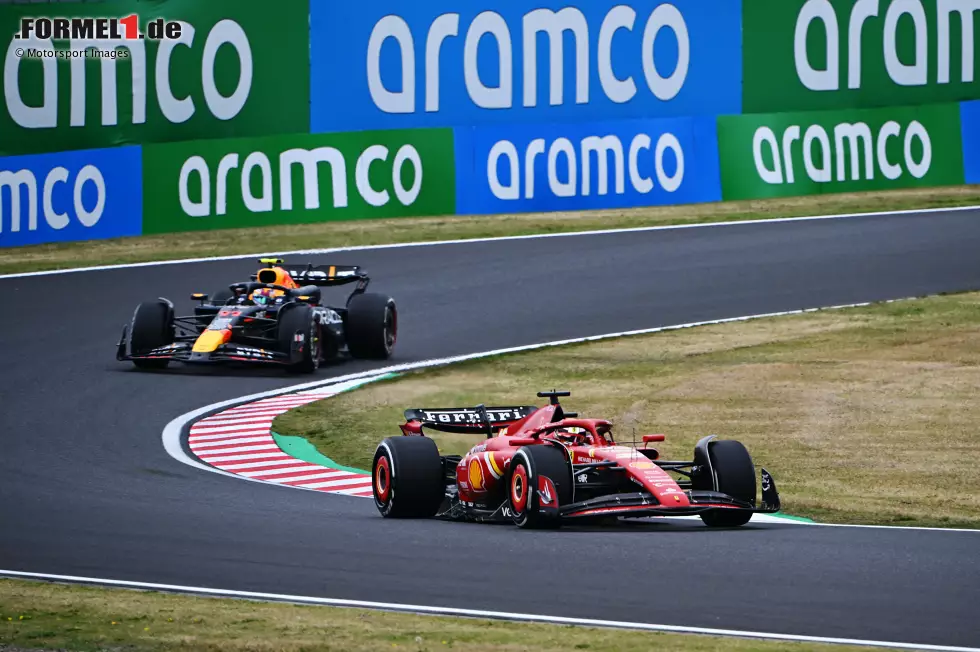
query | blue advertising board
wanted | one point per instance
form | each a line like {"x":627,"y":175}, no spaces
{"x":67,"y":196}
{"x":614,"y":164}
{"x":386,"y":64}
{"x":970,"y":124}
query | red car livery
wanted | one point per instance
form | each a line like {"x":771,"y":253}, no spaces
{"x":541,"y":466}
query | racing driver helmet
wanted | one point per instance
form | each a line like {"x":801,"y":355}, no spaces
{"x":263,"y":297}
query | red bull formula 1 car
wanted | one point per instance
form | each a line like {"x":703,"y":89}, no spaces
{"x":275,"y":318}
{"x":541,"y":466}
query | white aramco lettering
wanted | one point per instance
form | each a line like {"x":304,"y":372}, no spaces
{"x":174,"y":110}
{"x":257,"y":173}
{"x":866,"y":15}
{"x":566,"y":164}
{"x":22,"y":184}
{"x":854,"y":153}
{"x":566,"y":27}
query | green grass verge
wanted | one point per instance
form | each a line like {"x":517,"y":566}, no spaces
{"x":82,"y":619}
{"x":301,"y":449}
{"x":863,"y":415}
{"x":366,"y":232}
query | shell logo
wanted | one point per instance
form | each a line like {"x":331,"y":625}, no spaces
{"x":476,"y":475}
{"x":642,"y":465}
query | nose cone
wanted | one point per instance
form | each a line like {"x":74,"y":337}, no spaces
{"x":210,"y":340}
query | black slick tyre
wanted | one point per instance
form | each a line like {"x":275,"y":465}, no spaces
{"x":151,"y":328}
{"x":408,"y":478}
{"x":736,"y":477}
{"x":371,"y":327}
{"x":221,"y":297}
{"x":300,"y":318}
{"x":527,"y":467}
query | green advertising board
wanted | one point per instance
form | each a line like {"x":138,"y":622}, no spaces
{"x":786,"y":154}
{"x":299,"y":178}
{"x":238,"y":69}
{"x":828,"y":54}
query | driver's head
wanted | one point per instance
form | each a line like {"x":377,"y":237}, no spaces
{"x":263,"y":297}
{"x":566,"y":437}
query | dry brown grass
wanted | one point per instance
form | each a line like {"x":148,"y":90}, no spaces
{"x":365,"y":232}
{"x":864,"y":415}
{"x":37,"y":615}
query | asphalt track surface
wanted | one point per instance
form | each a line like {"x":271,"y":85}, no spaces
{"x":86,"y":488}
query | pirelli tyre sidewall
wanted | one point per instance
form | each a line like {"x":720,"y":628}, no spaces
{"x":300,"y":318}
{"x":734,"y":474}
{"x":407,"y":478}
{"x":528,"y":466}
{"x":152,"y":326}
{"x":371,"y":326}
{"x":221,"y":297}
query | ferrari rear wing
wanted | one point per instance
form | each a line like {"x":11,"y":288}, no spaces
{"x":466,"y":420}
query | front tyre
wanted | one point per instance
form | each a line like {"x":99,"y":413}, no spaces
{"x":371,"y":327}
{"x":407,"y":478}
{"x":152,"y":327}
{"x":300,"y":319}
{"x":221,"y":297}
{"x":736,"y":477}
{"x":540,"y":481}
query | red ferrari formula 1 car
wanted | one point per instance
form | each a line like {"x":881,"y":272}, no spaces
{"x":541,"y":466}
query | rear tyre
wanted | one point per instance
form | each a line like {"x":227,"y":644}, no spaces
{"x":151,"y":328}
{"x":372,"y":326}
{"x":408,"y":478}
{"x":300,"y":318}
{"x":221,"y":297}
{"x":527,"y":468}
{"x":736,"y":477}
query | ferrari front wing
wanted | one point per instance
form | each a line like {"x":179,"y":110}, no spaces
{"x":644,"y":504}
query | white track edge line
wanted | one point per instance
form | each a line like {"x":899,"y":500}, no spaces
{"x":478,"y":613}
{"x":530,"y":236}
{"x":172,"y":432}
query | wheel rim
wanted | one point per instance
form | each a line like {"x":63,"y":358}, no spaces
{"x":519,"y":490}
{"x":315,"y":345}
{"x":391,"y":328}
{"x":382,"y":480}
